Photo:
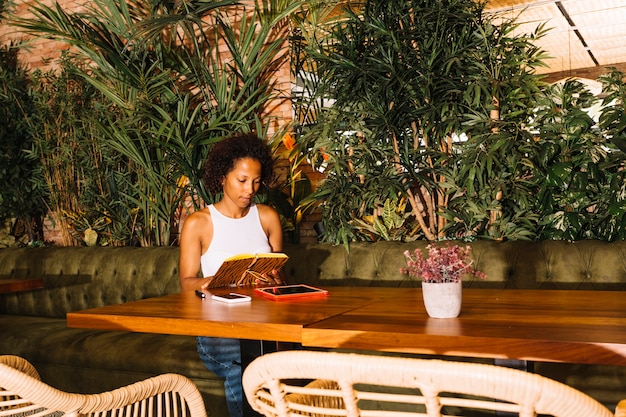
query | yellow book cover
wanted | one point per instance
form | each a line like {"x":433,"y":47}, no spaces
{"x":245,"y":269}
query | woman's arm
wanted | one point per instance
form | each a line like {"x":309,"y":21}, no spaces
{"x":197,"y":230}
{"x":270,"y":220}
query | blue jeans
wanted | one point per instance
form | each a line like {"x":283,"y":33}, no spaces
{"x":223,"y":357}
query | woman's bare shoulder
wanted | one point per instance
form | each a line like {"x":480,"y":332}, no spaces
{"x":269,"y":217}
{"x":199,"y":218}
{"x":264,"y":209}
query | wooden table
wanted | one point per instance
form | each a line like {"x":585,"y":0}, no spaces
{"x":8,"y":285}
{"x":187,"y":314}
{"x":537,"y":325}
{"x":258,"y":320}
{"x":533,"y":325}
{"x":517,"y":325}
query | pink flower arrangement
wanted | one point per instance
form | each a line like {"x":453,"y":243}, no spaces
{"x":443,"y":264}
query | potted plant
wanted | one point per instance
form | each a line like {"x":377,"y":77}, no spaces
{"x":441,"y":271}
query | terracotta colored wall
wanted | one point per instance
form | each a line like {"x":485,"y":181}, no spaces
{"x":42,"y":52}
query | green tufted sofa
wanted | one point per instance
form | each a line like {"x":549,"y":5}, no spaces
{"x":32,"y":323}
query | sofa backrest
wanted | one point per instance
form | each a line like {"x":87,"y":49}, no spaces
{"x":589,"y":264}
{"x":77,"y":278}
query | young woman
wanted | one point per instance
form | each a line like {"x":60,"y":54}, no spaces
{"x":237,"y":167}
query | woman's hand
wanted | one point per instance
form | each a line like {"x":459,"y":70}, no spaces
{"x":270,"y":279}
{"x":206,"y":283}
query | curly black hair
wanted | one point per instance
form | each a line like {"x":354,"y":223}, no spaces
{"x":225,"y":153}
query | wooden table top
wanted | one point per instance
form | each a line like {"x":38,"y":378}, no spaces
{"x":187,"y":314}
{"x":536,"y":325}
{"x":540,"y":325}
{"x":8,"y":285}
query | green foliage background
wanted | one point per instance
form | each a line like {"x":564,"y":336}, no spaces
{"x":22,"y":192}
{"x":148,"y":88}
{"x":427,"y":119}
{"x":407,"y":79}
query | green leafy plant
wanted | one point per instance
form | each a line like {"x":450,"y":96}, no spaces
{"x":569,"y":155}
{"x":613,"y":118}
{"x":425,"y":117}
{"x":388,"y":222}
{"x":291,"y":190}
{"x":23,"y":194}
{"x":405,"y":79}
{"x":172,"y":90}
{"x":79,"y":170}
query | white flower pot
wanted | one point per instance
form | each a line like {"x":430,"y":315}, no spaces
{"x":442,"y":299}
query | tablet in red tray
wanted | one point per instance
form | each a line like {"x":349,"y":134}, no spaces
{"x":288,"y":292}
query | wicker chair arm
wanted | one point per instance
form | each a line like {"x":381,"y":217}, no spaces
{"x":365,"y":385}
{"x":166,"y":395}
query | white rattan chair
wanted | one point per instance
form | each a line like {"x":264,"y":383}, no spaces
{"x":279,"y":384}
{"x":22,"y":393}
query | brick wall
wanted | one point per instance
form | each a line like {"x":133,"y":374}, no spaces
{"x":42,"y":53}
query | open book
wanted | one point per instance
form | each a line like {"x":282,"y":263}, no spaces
{"x":245,"y":269}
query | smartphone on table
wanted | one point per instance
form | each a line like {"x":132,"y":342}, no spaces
{"x":232,"y":298}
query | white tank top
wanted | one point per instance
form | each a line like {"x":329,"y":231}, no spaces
{"x":233,"y":237}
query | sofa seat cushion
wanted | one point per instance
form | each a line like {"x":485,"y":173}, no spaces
{"x":43,"y":339}
{"x":88,"y":361}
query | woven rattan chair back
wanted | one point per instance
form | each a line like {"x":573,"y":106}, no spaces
{"x":22,"y":393}
{"x":302,"y":383}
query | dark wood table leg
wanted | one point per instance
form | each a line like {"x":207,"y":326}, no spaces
{"x":251,"y":349}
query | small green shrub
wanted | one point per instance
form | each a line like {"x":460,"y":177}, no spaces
{"x":23,"y":192}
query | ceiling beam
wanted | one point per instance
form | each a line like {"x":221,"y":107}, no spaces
{"x":591,"y":73}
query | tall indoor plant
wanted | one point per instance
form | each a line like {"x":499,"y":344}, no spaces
{"x":177,"y":77}
{"x":407,"y":79}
